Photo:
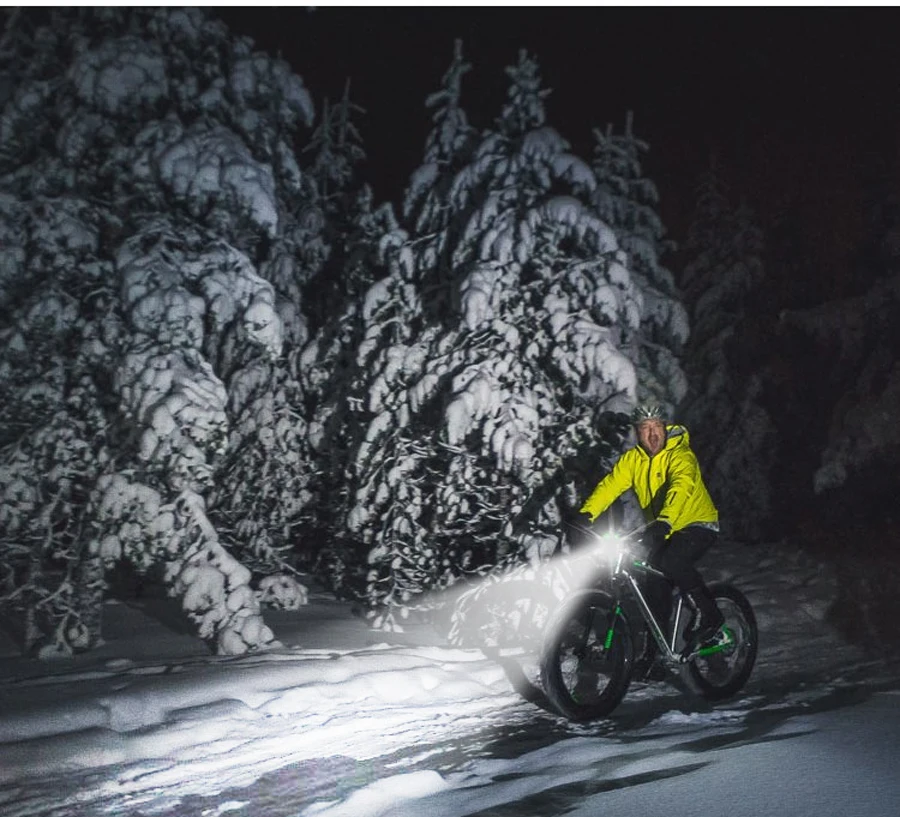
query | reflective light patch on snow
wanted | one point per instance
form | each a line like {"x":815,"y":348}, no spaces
{"x":224,"y":808}
{"x":680,"y":719}
{"x":381,"y":797}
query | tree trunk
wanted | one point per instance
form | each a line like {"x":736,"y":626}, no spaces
{"x":90,"y":584}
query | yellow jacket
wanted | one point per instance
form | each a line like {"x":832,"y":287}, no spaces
{"x":668,"y":486}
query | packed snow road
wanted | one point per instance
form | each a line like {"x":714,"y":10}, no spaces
{"x":817,"y":750}
{"x":398,"y":731}
{"x":834,"y":754}
{"x":338,"y":724}
{"x":808,"y":752}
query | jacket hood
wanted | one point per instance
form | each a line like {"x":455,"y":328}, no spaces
{"x":677,"y":435}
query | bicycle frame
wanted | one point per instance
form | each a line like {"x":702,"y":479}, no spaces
{"x":621,"y":570}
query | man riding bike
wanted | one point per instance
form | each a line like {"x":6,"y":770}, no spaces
{"x":664,"y":473}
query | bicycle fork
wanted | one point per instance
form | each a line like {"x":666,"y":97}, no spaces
{"x":608,"y":636}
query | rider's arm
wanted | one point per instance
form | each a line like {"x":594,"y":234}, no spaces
{"x":611,"y":487}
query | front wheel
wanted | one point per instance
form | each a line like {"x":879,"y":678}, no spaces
{"x":587,"y":656}
{"x":722,"y":668}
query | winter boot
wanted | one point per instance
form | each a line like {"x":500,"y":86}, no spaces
{"x":706,"y":622}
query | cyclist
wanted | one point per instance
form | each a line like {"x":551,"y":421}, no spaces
{"x":664,"y":473}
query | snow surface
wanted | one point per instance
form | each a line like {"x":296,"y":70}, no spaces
{"x":340,"y":723}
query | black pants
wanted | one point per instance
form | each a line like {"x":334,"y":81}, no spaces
{"x":677,"y":559}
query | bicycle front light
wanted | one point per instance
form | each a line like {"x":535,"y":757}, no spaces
{"x":609,"y":545}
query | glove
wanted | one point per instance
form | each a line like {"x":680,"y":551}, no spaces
{"x":655,"y":538}
{"x":577,"y":530}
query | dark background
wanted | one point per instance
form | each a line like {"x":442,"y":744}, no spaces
{"x":800,"y":106}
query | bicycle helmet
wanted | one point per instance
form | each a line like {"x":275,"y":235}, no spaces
{"x":647,"y":411}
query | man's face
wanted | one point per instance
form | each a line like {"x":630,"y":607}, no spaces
{"x":651,"y":435}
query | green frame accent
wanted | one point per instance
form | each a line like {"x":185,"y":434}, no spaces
{"x":714,"y":648}
{"x":609,"y":633}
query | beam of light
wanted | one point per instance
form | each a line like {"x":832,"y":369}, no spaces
{"x":513,"y":608}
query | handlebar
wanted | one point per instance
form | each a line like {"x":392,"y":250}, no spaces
{"x":632,"y":535}
{"x":623,"y":542}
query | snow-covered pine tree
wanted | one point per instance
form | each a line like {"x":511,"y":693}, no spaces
{"x":477,"y":414}
{"x":859,"y":333}
{"x":844,"y":393}
{"x":426,"y":206}
{"x":730,"y":429}
{"x":338,"y":364}
{"x":53,"y":428}
{"x":260,"y":519}
{"x":628,"y":202}
{"x":845,"y":400}
{"x":336,"y":148}
{"x":55,"y":304}
{"x":356,"y":230}
{"x":336,"y":152}
{"x":146,"y":177}
{"x":329,"y":369}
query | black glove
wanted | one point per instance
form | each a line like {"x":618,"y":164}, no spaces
{"x":578,"y":529}
{"x":654,"y":538}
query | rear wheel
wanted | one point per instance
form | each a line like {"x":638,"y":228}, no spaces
{"x":723,"y":667}
{"x":587,"y":656}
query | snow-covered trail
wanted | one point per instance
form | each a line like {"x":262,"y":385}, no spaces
{"x":284,"y":731}
{"x":151,"y":737}
{"x":831,"y":756}
{"x":453,"y":748}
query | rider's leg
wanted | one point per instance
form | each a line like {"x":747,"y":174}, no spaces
{"x":710,"y":617}
{"x":677,"y":559}
{"x":658,"y":594}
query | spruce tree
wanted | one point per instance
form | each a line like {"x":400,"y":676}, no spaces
{"x":477,"y":411}
{"x":427,"y":208}
{"x":730,"y":429}
{"x":150,"y":193}
{"x":336,"y":152}
{"x":628,"y":202}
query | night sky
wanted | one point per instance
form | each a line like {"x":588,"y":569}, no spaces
{"x":800,"y":105}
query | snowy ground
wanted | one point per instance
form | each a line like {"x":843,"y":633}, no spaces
{"x":344,"y":723}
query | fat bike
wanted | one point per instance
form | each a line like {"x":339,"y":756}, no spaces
{"x":588,"y":655}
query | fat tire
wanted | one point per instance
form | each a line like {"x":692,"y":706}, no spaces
{"x":569,"y":624}
{"x":698,"y":674}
